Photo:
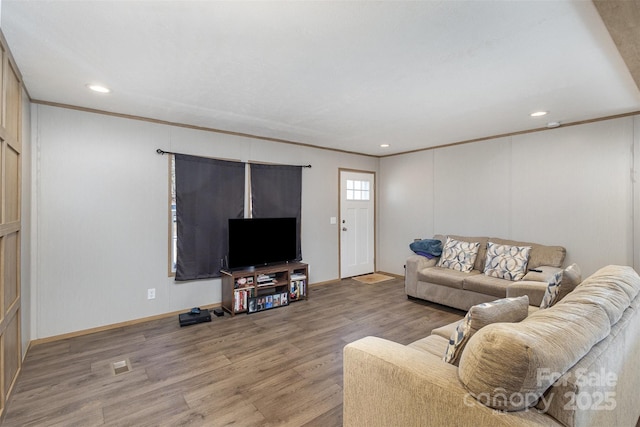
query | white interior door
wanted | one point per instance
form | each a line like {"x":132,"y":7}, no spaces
{"x":356,"y":223}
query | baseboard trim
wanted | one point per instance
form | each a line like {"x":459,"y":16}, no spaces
{"x":326,"y":282}
{"x":111,"y":326}
{"x":129,"y":323}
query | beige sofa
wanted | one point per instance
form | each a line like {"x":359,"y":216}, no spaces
{"x":425,"y":280}
{"x":589,"y":341}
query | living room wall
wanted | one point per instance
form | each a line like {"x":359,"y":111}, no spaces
{"x":100,"y":194}
{"x":569,"y":186}
{"x":101,"y":197}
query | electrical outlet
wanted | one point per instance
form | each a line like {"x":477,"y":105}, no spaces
{"x":151,"y":293}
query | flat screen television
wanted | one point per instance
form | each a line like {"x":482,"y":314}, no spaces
{"x":255,"y":242}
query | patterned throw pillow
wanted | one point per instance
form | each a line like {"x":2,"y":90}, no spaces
{"x":458,"y":340}
{"x":501,"y":310}
{"x":552,"y":292}
{"x":458,"y":255}
{"x":506,"y":262}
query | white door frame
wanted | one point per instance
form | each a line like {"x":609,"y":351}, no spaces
{"x":340,"y":225}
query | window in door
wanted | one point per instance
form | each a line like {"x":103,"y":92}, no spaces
{"x":357,"y":190}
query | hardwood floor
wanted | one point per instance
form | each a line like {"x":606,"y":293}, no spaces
{"x":277,"y":367}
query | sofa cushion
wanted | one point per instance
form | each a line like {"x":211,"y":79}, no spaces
{"x":444,"y":276}
{"x":486,"y":285}
{"x":481,"y":315}
{"x":540,"y":254}
{"x":500,"y":363}
{"x":552,"y":292}
{"x":611,"y":288}
{"x":506,"y":261}
{"x":458,"y":255}
{"x":434,"y":344}
{"x":619,"y":276}
{"x":446,"y":330}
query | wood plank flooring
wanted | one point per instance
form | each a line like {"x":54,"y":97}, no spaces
{"x":281,"y":367}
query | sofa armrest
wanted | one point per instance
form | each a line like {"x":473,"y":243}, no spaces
{"x":534,"y":284}
{"x":414,"y":264}
{"x":543,"y":273}
{"x":389,"y":384}
{"x":534,"y":290}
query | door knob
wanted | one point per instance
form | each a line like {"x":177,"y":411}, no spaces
{"x":344,"y":228}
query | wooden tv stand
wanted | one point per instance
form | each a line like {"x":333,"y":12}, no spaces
{"x":263,"y":288}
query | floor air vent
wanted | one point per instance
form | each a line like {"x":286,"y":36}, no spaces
{"x":121,"y":367}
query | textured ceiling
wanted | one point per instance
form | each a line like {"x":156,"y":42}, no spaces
{"x":342,"y":75}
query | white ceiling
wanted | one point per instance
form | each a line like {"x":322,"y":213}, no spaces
{"x":343,"y":75}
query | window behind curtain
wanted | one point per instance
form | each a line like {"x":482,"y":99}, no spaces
{"x":276,"y":192}
{"x":208,"y":193}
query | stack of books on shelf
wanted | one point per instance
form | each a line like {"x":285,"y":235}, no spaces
{"x":298,"y":286}
{"x":241,"y":298}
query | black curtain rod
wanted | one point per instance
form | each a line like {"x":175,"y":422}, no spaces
{"x":162,"y":152}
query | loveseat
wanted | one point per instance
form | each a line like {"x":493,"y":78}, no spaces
{"x":424,"y":279}
{"x":572,"y":364}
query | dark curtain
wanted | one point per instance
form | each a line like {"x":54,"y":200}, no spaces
{"x":276,"y":192}
{"x":208,"y":193}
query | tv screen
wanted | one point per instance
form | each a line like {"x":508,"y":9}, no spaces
{"x":255,"y":242}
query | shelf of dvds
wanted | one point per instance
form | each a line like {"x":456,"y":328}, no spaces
{"x":264,"y":288}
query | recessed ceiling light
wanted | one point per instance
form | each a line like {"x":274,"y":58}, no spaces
{"x":384,"y":145}
{"x":539,"y":113}
{"x":98,"y":88}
